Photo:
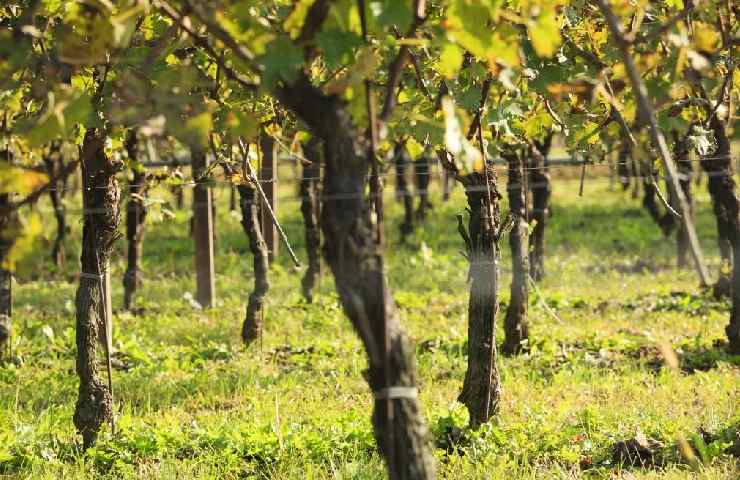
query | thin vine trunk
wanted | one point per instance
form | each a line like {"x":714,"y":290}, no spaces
{"x":402,"y":162}
{"x":101,"y":218}
{"x":422,"y":177}
{"x":623,"y":164}
{"x":7,"y":239}
{"x":481,"y":392}
{"x":354,"y":257}
{"x":250,"y":206}
{"x":685,"y":172}
{"x":53,"y":164}
{"x":516,"y":325}
{"x":726,"y":207}
{"x":135,"y":217}
{"x":539,"y":182}
{"x":310,"y":211}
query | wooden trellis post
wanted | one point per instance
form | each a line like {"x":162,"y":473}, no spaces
{"x":268,"y":178}
{"x":203,"y":233}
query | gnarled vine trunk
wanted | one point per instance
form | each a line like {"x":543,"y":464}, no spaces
{"x":135,"y":218}
{"x":516,"y":325}
{"x":310,"y":211}
{"x":402,"y":161}
{"x":481,"y":392}
{"x":726,"y":205}
{"x":539,"y":183}
{"x":422,"y":177}
{"x":354,"y":257}
{"x":101,"y":218}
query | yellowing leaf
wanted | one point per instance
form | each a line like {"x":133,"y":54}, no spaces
{"x":19,"y":180}
{"x":450,"y":60}
{"x":197,"y":129}
{"x":545,"y":34}
{"x":706,"y":37}
{"x":294,"y":23}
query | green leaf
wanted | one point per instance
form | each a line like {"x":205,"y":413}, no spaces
{"x":338,"y":46}
{"x":390,"y":13}
{"x":282,"y":61}
{"x":241,"y":124}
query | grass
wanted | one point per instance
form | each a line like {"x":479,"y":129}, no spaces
{"x":194,"y":403}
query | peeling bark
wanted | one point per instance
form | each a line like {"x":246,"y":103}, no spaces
{"x":516,"y":324}
{"x":355,"y":260}
{"x":101,"y":218}
{"x":310,"y":211}
{"x":402,"y":161}
{"x":135,"y":218}
{"x":481,"y":392}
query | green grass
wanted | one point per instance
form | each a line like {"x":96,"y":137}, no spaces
{"x":196,"y":404}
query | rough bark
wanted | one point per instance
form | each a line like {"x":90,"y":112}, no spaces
{"x":250,"y":206}
{"x":422,"y":177}
{"x":402,"y":161}
{"x":481,"y":390}
{"x":539,"y":182}
{"x":135,"y":218}
{"x":53,"y":163}
{"x":516,"y":325}
{"x":101,"y":218}
{"x":726,"y":205}
{"x":355,"y":260}
{"x":310,"y":211}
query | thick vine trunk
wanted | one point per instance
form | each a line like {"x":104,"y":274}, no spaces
{"x":101,"y":218}
{"x":402,"y":161}
{"x":539,"y":181}
{"x":354,"y":257}
{"x":726,"y":207}
{"x":516,"y":325}
{"x":250,"y":206}
{"x":422,"y":177}
{"x":481,"y":392}
{"x":53,"y":164}
{"x":310,"y":210}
